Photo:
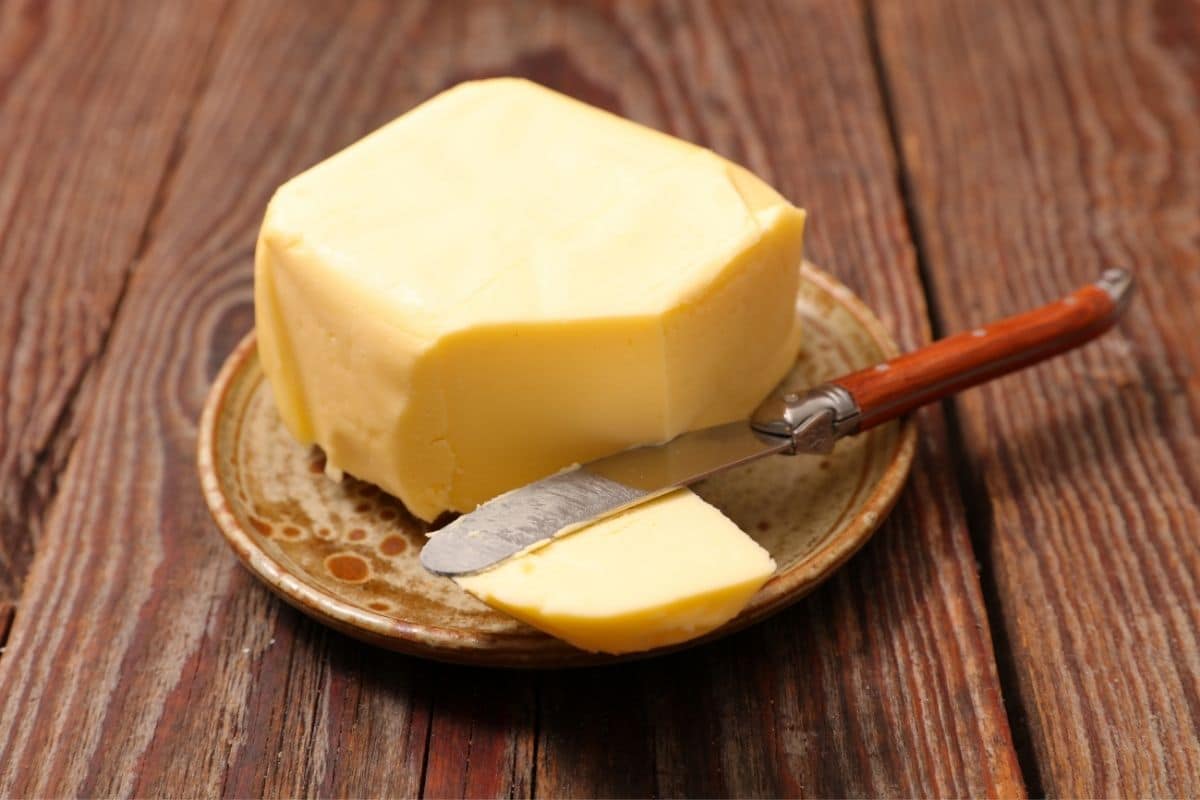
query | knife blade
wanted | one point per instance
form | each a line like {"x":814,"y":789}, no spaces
{"x":787,"y":423}
{"x":560,"y":503}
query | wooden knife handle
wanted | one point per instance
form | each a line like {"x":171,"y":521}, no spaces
{"x":958,"y":362}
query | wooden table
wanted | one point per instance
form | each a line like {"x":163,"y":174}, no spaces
{"x":1027,"y":622}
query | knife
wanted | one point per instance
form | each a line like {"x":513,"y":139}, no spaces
{"x":788,"y":423}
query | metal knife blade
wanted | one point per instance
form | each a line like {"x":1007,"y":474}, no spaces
{"x":512,"y":522}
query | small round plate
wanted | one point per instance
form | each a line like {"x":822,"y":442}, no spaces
{"x":346,"y":553}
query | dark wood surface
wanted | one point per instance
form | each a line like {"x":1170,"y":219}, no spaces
{"x":1043,"y":142}
{"x":1037,"y":576}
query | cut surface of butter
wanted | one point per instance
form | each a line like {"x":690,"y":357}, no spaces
{"x":504,"y":281}
{"x":667,"y":571}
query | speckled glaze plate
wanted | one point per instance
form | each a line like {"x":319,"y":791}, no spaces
{"x":346,"y":553}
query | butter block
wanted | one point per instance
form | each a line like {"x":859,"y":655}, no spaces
{"x":505,"y":281}
{"x":665,"y":572}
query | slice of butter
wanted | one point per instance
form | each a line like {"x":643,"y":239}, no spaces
{"x":505,"y":281}
{"x":665,"y":572}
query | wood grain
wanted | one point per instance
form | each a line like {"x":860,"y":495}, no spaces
{"x":483,"y":734}
{"x":90,"y":112}
{"x":1044,"y":141}
{"x":144,"y":662}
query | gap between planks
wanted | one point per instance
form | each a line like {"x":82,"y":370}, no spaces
{"x":537,"y":739}
{"x":976,"y":504}
{"x":428,"y":744}
{"x":7,"y":612}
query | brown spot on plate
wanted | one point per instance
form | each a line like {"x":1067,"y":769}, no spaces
{"x":348,"y":567}
{"x":393,"y":545}
{"x":815,"y":517}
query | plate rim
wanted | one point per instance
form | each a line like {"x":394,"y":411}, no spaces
{"x":534,"y":649}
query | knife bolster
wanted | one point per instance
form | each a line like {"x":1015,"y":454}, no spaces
{"x":813,"y":420}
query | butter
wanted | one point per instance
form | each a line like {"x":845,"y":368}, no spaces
{"x":505,"y":281}
{"x":663,"y":573}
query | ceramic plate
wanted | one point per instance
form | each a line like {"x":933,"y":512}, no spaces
{"x":346,"y":553}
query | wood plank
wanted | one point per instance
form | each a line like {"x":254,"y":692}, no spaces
{"x":145,"y":662}
{"x":482,"y":735}
{"x":89,"y":112}
{"x":1043,"y":142}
